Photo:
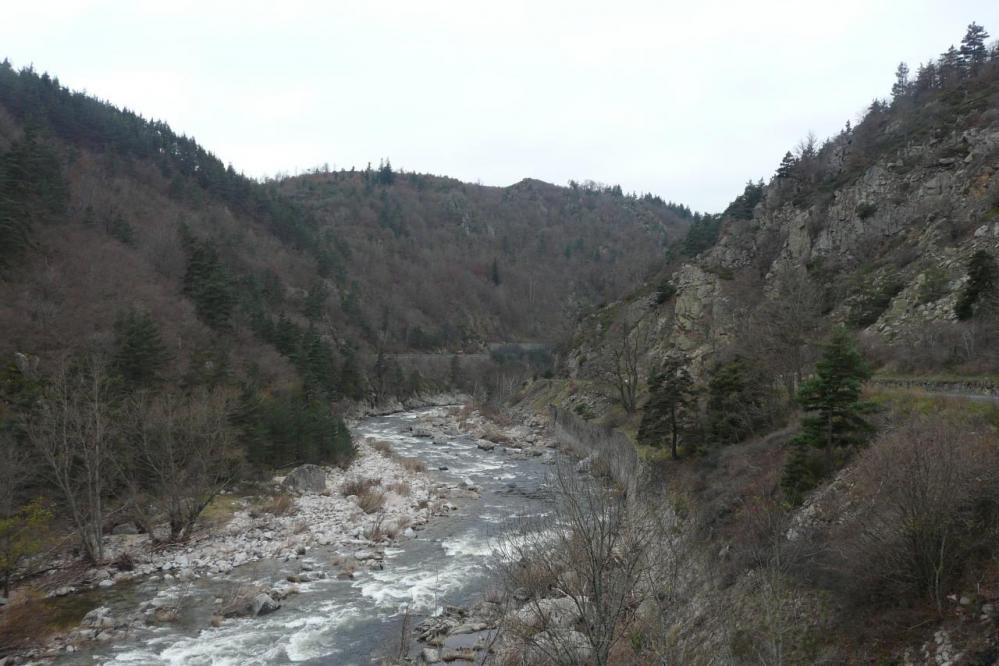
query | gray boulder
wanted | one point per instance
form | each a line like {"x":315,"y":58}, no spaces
{"x":571,"y":646}
{"x":263,"y":604}
{"x":547,"y":613}
{"x":306,"y":479}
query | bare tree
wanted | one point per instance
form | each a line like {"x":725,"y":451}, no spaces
{"x":582,"y":566}
{"x":622,"y":372}
{"x":782,"y":331}
{"x":182,"y":455}
{"x":74,"y":431}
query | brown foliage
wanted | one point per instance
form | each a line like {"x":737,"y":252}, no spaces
{"x":923,"y":506}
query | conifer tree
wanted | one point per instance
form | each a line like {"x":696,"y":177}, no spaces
{"x":140,"y":355}
{"x":670,"y":408}
{"x":901,"y":85}
{"x":973,"y":50}
{"x":981,"y":284}
{"x":787,"y":164}
{"x":833,"y":421}
{"x":207,"y":282}
{"x":738,"y":402}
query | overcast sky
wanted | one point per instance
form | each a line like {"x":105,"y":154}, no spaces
{"x":685,"y":100}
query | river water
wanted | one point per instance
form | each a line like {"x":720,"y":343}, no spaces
{"x":359,"y":621}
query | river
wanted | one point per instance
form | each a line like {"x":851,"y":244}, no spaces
{"x":359,"y":621}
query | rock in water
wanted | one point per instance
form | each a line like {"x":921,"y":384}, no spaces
{"x":264,"y":604}
{"x":306,"y":479}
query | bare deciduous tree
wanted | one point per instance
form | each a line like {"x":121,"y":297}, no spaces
{"x":586,"y":560}
{"x":622,"y":370}
{"x":781,"y":332}
{"x":182,"y":454}
{"x":74,"y":431}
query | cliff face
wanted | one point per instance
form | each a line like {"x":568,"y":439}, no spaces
{"x":873,"y":230}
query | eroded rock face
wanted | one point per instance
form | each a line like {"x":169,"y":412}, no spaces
{"x":905,"y":225}
{"x":306,"y":479}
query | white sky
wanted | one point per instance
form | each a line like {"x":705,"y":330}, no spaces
{"x":686,"y":100}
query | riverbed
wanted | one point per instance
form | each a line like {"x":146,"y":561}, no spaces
{"x":360,"y":620}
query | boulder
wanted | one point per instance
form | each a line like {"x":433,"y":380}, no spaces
{"x":486,"y":445}
{"x":546,"y":613}
{"x":430,"y":656}
{"x":263,"y":604}
{"x":306,"y":479}
{"x":125,"y":528}
{"x":571,"y":646}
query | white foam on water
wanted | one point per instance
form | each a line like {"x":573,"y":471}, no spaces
{"x":476,"y":546}
{"x":316,"y":635}
{"x":417,"y":588}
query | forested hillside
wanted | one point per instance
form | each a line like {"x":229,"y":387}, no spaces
{"x":122,"y":239}
{"x":431,"y":263}
{"x":796,"y":380}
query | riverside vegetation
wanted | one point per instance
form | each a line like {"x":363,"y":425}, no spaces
{"x":746,"y":495}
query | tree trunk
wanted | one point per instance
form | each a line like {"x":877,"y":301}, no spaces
{"x":672,"y":413}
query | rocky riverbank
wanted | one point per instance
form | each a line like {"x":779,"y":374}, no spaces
{"x":321,"y":522}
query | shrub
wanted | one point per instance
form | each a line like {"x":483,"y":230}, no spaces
{"x":382,"y":447}
{"x":414,"y":465}
{"x":925,"y":505}
{"x":401,"y":488}
{"x":866,"y":209}
{"x":357,"y":485}
{"x":371,"y":499}
{"x":279,"y":505}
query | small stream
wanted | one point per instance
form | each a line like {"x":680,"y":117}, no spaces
{"x":359,"y":621}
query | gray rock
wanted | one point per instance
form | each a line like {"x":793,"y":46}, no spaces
{"x":544,"y":613}
{"x":125,"y":528}
{"x":486,"y":445}
{"x":306,"y":479}
{"x":430,"y":656}
{"x":469,"y":628}
{"x":263,"y":604}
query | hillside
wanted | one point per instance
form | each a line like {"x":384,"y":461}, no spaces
{"x":434,"y":263}
{"x":307,"y":281}
{"x":795,"y":382}
{"x":874,"y":229}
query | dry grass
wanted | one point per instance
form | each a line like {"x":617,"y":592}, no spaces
{"x":495,"y":436}
{"x":382,"y":447}
{"x":400,"y":488}
{"x":29,"y":620}
{"x":414,"y":465}
{"x":220,"y":510}
{"x":371,"y":500}
{"x":236,"y":600}
{"x":279,"y":505}
{"x":358,"y":485}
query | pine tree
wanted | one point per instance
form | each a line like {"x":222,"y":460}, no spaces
{"x":32,"y":190}
{"x":207,"y":282}
{"x":901,"y":85}
{"x":973,"y":50}
{"x":950,"y":66}
{"x":312,"y":308}
{"x":787,"y":165}
{"x":833,"y":421}
{"x":738,"y":402}
{"x":981,"y":284}
{"x":669,"y":411}
{"x":140,"y":355}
